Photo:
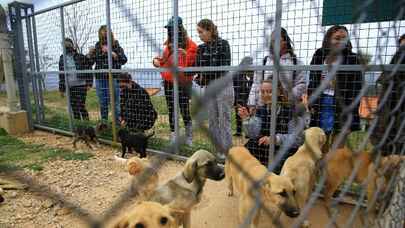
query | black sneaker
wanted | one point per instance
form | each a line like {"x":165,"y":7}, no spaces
{"x":238,"y":134}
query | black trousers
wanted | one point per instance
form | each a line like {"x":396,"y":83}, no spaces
{"x":78,"y":96}
{"x":261,"y":152}
{"x":184,"y":102}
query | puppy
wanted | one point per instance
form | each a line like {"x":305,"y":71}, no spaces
{"x":136,"y":167}
{"x":301,"y":168}
{"x":88,"y":134}
{"x":277,"y":193}
{"x":184,"y":191}
{"x":147,"y":215}
{"x":137,"y":141}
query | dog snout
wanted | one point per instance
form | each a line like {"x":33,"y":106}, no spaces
{"x":216,"y":173}
{"x":221,"y":175}
{"x":291,"y":211}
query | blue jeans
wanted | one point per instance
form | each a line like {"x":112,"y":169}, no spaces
{"x":327,"y":115}
{"x":103,"y":94}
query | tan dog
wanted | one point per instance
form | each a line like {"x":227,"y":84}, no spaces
{"x":301,"y":168}
{"x":184,"y":191}
{"x":147,"y":215}
{"x":342,"y":163}
{"x":276,"y":192}
{"x":135,"y":167}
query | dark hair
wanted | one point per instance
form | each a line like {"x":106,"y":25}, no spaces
{"x":72,"y":47}
{"x":183,"y":37}
{"x":208,"y":25}
{"x":330,"y":32}
{"x":290,"y":45}
{"x":102,"y":39}
{"x":402,"y":37}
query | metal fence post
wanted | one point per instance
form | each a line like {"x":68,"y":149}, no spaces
{"x":20,"y":61}
{"x":67,"y":90}
{"x":32,"y":66}
{"x":110,"y":77}
{"x":40,"y":83}
{"x":175,"y":69}
{"x":276,"y":72}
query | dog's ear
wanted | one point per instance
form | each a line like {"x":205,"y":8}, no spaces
{"x":190,"y":169}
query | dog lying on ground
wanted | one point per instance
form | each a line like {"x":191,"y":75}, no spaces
{"x":88,"y":134}
{"x":136,"y":167}
{"x":137,"y":141}
{"x":147,"y":215}
{"x":184,"y":191}
{"x":301,"y":168}
{"x":342,"y":164}
{"x":277,"y":193}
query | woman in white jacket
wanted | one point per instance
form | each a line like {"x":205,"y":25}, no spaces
{"x":257,"y":124}
{"x":291,"y":81}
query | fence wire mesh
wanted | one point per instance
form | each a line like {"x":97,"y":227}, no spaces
{"x":266,"y":71}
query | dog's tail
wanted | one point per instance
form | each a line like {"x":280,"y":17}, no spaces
{"x":134,"y":167}
{"x":151,"y":135}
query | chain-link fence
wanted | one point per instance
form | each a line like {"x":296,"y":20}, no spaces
{"x":255,"y":73}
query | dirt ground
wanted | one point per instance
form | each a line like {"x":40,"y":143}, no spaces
{"x":97,"y":183}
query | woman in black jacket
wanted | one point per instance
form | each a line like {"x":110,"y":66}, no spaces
{"x":99,"y":55}
{"x":391,"y":113}
{"x":79,"y":83}
{"x":343,"y":88}
{"x":215,"y":51}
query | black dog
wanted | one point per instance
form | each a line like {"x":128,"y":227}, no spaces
{"x":137,"y":141}
{"x":88,"y":134}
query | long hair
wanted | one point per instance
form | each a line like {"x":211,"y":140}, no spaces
{"x":330,"y":32}
{"x":290,"y":45}
{"x":101,"y":38}
{"x":70,"y":46}
{"x":208,"y":25}
{"x":183,"y":37}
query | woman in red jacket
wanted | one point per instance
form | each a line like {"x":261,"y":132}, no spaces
{"x":187,"y":51}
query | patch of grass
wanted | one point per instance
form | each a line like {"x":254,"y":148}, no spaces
{"x":355,"y":139}
{"x":15,"y":154}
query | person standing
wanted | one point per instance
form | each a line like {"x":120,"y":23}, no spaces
{"x":99,"y":56}
{"x":78,"y":83}
{"x":216,"y":51}
{"x":187,"y":51}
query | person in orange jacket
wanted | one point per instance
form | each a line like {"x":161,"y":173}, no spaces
{"x":187,"y":51}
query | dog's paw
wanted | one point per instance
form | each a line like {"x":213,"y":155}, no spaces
{"x":306,"y":224}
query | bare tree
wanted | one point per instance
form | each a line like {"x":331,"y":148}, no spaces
{"x":77,"y":26}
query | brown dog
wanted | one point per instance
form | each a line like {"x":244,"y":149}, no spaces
{"x":147,"y":215}
{"x":342,"y":164}
{"x":301,"y":168}
{"x":276,"y":192}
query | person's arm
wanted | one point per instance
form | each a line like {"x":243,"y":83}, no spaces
{"x":62,"y":87}
{"x":295,"y":134}
{"x":300,"y":85}
{"x":119,"y":51}
{"x":225,"y":54}
{"x":250,"y":124}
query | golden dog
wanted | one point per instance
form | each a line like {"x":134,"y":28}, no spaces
{"x":146,"y":215}
{"x":342,"y":164}
{"x":301,"y":168}
{"x":276,"y":192}
{"x":184,"y":191}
